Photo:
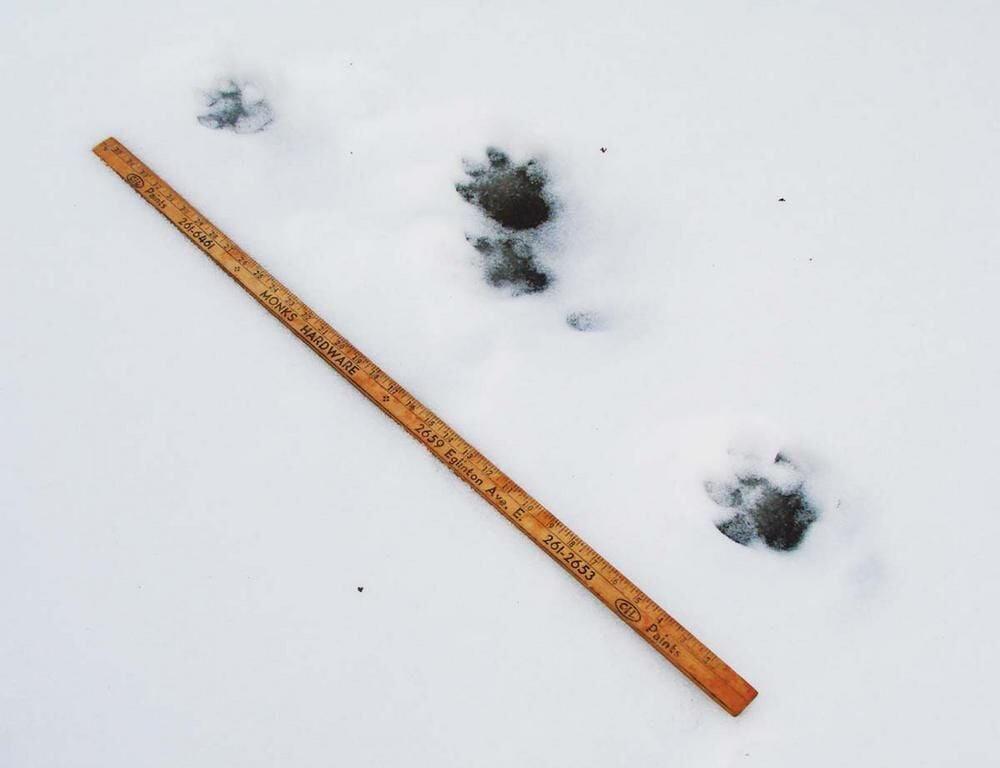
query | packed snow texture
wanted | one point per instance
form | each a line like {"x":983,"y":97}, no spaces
{"x":192,"y":502}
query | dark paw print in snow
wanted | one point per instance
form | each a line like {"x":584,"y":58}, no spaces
{"x":510,"y":262}
{"x":515,"y":198}
{"x":512,"y":195}
{"x":776,"y":512}
{"x":241,"y":109}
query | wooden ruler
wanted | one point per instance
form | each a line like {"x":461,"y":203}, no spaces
{"x":581,"y":561}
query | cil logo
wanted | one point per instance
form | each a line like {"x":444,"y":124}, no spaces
{"x":135,"y":181}
{"x":626,"y":609}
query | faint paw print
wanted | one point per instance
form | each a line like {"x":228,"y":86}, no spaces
{"x":241,"y":109}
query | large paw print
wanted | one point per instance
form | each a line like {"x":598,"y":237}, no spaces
{"x":516,"y":199}
{"x":766,"y":503}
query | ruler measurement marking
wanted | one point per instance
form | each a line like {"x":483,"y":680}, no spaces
{"x":655,"y":625}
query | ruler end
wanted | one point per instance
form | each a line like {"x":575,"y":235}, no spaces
{"x":102,"y":146}
{"x":737,"y":707}
{"x":723,"y":684}
{"x":732,"y":700}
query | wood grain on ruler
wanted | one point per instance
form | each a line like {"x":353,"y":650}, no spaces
{"x":581,"y":561}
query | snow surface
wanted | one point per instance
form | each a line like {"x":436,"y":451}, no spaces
{"x":158,"y":613}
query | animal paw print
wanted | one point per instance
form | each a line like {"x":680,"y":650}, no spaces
{"x":766,"y":503}
{"x":241,"y":109}
{"x":515,"y":198}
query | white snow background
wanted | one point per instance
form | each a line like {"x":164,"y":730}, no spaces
{"x":190,"y":498}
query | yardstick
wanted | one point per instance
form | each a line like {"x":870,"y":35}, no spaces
{"x":654,"y":625}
